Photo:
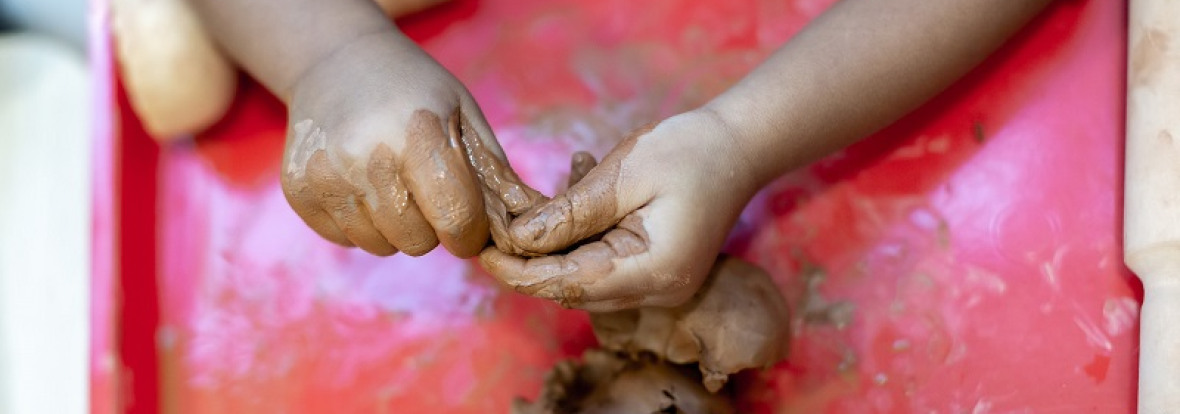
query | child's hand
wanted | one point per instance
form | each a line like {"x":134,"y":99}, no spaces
{"x":375,"y":152}
{"x":665,"y":197}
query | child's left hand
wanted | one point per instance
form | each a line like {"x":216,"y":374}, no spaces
{"x":665,"y":197}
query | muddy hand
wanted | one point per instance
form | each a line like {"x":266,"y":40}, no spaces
{"x":505,"y":196}
{"x":377,"y":153}
{"x":663,"y":201}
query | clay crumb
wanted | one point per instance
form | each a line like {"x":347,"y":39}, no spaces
{"x":604,"y":382}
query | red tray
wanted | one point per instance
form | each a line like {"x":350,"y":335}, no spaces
{"x":965,"y":260}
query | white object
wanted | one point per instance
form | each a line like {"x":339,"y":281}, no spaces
{"x":45,"y":207}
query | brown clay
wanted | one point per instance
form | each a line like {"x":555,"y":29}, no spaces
{"x":495,"y":175}
{"x":736,"y":321}
{"x":447,"y":190}
{"x":504,"y":194}
{"x":395,"y":213}
{"x":604,"y":383}
{"x":342,"y":201}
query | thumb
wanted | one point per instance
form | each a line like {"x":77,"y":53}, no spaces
{"x":580,"y":164}
{"x":589,"y":207}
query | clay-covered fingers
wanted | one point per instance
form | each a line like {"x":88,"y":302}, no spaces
{"x":587,"y":208}
{"x":491,"y":166}
{"x":616,"y":272}
{"x":393,"y":210}
{"x":319,"y":221}
{"x":505,"y":195}
{"x":333,"y":206}
{"x":443,"y":185}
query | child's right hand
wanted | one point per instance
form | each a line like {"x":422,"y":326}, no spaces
{"x":376,"y":158}
{"x":664,"y":200}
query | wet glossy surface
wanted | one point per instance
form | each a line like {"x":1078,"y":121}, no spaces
{"x":964,"y":260}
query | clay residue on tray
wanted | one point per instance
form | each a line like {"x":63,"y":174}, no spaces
{"x":737,"y":320}
{"x":606,"y":383}
{"x":817,"y":309}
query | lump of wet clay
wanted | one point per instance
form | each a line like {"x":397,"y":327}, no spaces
{"x":737,"y":320}
{"x":606,"y":383}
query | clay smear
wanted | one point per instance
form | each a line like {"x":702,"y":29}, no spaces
{"x":446,"y":189}
{"x":395,"y":212}
{"x":504,"y":195}
{"x":586,"y":209}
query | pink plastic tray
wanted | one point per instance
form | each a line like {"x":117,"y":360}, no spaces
{"x":965,"y":260}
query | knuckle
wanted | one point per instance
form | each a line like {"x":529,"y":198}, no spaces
{"x":419,"y":248}
{"x":379,"y":249}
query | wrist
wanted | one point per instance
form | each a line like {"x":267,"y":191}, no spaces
{"x":342,"y":55}
{"x":722,"y":146}
{"x":740,"y":145}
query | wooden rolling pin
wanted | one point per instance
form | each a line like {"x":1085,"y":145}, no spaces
{"x":1152,"y":197}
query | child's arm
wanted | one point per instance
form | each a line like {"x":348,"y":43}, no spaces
{"x":376,"y":151}
{"x":667,"y":196}
{"x":278,"y":41}
{"x":857,"y":68}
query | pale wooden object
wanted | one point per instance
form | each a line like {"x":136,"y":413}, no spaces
{"x":1152,"y":197}
{"x":177,"y":80}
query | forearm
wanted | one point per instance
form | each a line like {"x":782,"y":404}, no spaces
{"x":277,"y":41}
{"x":855,"y":69}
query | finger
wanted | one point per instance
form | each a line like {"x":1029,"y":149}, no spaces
{"x":487,"y":158}
{"x":353,"y":219}
{"x":394,"y":213}
{"x":338,"y":199}
{"x":302,"y":200}
{"x":588,"y":208}
{"x":611,"y":274}
{"x":445,"y":188}
{"x":580,"y":164}
{"x":499,"y":217}
{"x":324,"y":225}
